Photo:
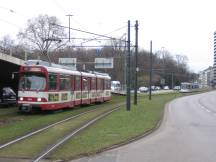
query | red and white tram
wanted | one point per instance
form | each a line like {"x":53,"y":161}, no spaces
{"x":45,"y":87}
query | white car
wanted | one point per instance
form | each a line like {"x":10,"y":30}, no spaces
{"x":177,"y":88}
{"x":157,"y":88}
{"x":143,"y":89}
{"x":166,"y":88}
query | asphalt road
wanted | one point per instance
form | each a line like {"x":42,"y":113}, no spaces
{"x":187,"y":134}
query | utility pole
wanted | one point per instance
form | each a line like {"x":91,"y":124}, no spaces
{"x":26,"y":57}
{"x":150,"y":72}
{"x":136,"y":67}
{"x":128,"y":70}
{"x":172,"y":81}
{"x":69,"y":26}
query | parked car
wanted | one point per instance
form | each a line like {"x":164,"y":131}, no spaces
{"x":143,"y":89}
{"x":166,"y":88}
{"x":157,"y":88}
{"x":153,"y":88}
{"x":7,"y":96}
{"x":177,"y":88}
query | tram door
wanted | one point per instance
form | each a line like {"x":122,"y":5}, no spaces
{"x":72,"y":90}
{"x":85,"y":90}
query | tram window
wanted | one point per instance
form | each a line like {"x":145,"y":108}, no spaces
{"x":64,"y":82}
{"x":67,"y":83}
{"x":77,"y":81}
{"x":107,"y":84}
{"x":102,"y":84}
{"x":99,"y":84}
{"x":72,"y":82}
{"x":93,"y":84}
{"x":32,"y":82}
{"x":52,"y":83}
{"x":85,"y":84}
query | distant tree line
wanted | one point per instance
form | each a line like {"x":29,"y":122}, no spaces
{"x":41,"y":38}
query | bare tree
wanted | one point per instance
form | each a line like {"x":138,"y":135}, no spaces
{"x":6,"y":43}
{"x":181,"y":60}
{"x":42,"y":34}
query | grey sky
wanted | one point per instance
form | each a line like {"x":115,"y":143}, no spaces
{"x":181,"y":26}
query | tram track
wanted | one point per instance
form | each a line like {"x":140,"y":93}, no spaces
{"x":72,"y":132}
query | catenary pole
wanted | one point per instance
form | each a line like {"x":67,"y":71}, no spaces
{"x":136,"y":67}
{"x":69,"y":26}
{"x":150,"y":72}
{"x":128,"y":70}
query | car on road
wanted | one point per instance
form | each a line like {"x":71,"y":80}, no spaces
{"x":143,"y":89}
{"x":166,"y":87}
{"x":157,"y":88}
{"x":7,"y":96}
{"x":177,"y":88}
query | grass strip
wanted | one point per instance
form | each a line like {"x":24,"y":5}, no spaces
{"x":4,"y":111}
{"x":28,"y":122}
{"x":116,"y":128}
{"x":33,"y":146}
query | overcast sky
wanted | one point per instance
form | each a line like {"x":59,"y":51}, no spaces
{"x":183,"y":27}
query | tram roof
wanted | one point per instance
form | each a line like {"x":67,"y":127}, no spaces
{"x":61,"y":69}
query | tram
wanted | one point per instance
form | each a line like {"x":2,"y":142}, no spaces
{"x":189,"y":87}
{"x":50,"y":87}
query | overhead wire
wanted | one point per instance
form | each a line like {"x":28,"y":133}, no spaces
{"x":59,"y":6}
{"x":87,"y":32}
{"x":105,"y":34}
{"x":5,"y":8}
{"x":10,"y":23}
{"x":88,"y":40}
{"x":14,"y":12}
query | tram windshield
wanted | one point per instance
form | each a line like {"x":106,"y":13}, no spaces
{"x":32,"y":82}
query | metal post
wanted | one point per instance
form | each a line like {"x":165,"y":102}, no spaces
{"x":128,"y":70}
{"x":150,"y":71}
{"x":172,"y":81}
{"x":136,"y":67}
{"x":69,"y":26}
{"x":10,"y":52}
{"x":25,"y":56}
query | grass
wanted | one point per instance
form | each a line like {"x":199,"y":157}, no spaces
{"x":4,"y":111}
{"x":19,"y":124}
{"x":118,"y":127}
{"x":31,"y":147}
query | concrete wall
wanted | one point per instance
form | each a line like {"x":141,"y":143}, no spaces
{"x":9,"y":65}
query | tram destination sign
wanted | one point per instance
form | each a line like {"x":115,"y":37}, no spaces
{"x":104,"y":63}
{"x":70,"y":62}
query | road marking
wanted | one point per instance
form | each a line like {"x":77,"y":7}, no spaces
{"x":207,"y":110}
{"x":203,"y":107}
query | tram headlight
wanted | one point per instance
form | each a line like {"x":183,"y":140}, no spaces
{"x":21,"y":98}
{"x":39,"y":99}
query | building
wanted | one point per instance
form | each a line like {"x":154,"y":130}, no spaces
{"x":206,"y":77}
